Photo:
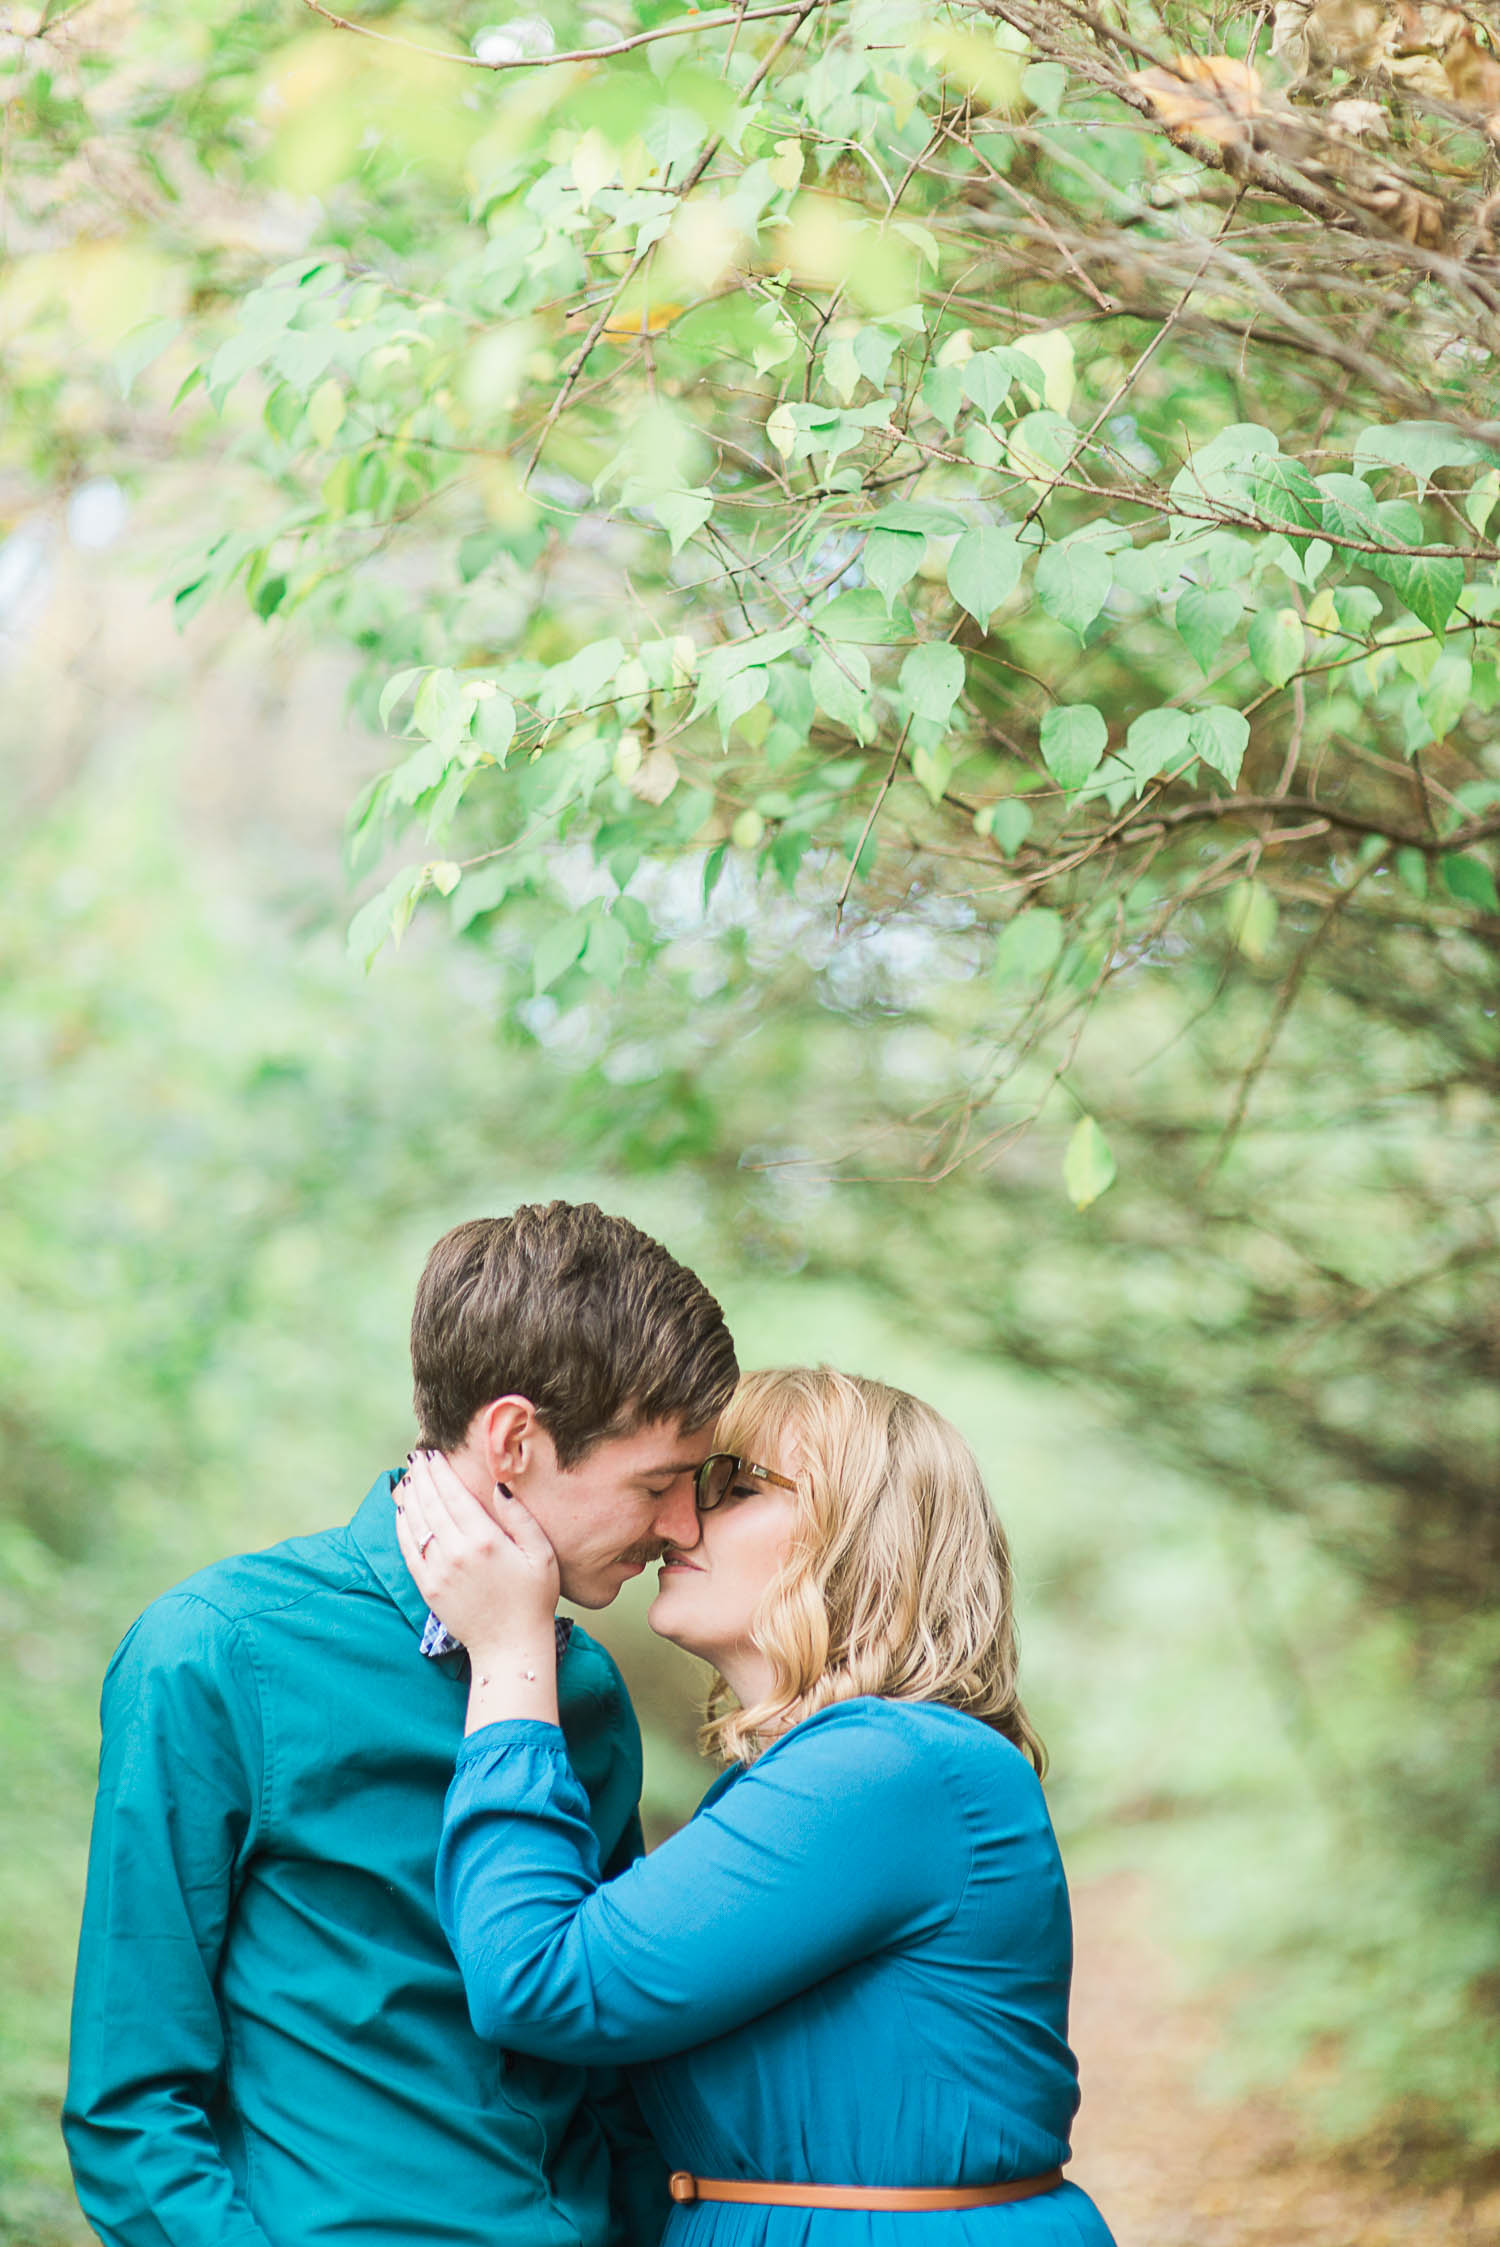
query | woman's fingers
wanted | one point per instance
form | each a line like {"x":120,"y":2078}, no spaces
{"x":446,"y":1497}
{"x":521,"y":1526}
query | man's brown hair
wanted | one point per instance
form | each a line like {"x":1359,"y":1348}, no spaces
{"x":583,"y":1314}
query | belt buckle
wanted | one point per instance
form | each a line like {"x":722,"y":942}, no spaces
{"x":682,"y":2185}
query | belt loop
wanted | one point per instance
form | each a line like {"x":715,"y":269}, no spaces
{"x":682,"y":2185}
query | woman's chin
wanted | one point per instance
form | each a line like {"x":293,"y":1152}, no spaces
{"x":667,"y":1617}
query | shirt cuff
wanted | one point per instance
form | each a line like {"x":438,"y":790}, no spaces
{"x":512,"y":1732}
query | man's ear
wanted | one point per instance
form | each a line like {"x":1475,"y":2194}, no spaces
{"x":506,"y":1435}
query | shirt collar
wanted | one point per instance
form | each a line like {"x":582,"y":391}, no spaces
{"x":373,"y":1530}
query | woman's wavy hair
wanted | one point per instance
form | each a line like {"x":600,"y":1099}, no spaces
{"x":898,"y":1582}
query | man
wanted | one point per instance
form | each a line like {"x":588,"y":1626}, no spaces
{"x":271,"y":2046}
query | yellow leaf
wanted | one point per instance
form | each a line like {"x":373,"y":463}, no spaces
{"x":786,"y":165}
{"x":1052,"y":349}
{"x":982,"y":66}
{"x":594,"y":165}
{"x":325,"y":412}
{"x":641,"y":319}
{"x":629,"y":757}
{"x":1210,"y":95}
{"x":900,"y":93}
{"x":703,"y":242}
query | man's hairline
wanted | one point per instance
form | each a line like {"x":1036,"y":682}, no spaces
{"x":614,"y":1433}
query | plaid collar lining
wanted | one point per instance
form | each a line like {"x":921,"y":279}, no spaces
{"x":437,"y":1639}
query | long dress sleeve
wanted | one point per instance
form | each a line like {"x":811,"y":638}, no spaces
{"x":842,"y":1839}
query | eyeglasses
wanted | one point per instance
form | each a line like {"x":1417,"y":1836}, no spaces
{"x":721,"y":1470}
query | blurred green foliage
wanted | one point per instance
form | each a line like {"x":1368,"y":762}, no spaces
{"x":965,"y":493}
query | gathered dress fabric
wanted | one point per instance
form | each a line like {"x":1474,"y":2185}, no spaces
{"x":850,"y":1967}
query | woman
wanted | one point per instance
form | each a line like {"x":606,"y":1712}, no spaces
{"x":843,"y":1986}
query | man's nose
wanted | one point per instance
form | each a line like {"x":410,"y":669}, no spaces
{"x":676,"y":1519}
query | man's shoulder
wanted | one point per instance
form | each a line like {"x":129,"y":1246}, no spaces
{"x":245,"y":1588}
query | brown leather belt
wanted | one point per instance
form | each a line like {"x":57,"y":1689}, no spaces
{"x":684,"y":2186}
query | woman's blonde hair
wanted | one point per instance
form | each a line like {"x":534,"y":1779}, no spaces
{"x":898,"y":1582}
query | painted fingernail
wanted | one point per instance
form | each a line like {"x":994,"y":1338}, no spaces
{"x":502,"y":1492}
{"x":410,"y":1456}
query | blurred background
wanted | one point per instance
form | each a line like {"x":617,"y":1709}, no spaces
{"x":1252,"y":1498}
{"x":227,"y":1153}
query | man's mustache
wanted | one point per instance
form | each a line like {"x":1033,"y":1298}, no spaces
{"x":642,"y":1555}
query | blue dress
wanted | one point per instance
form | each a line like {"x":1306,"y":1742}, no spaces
{"x":850,"y":1967}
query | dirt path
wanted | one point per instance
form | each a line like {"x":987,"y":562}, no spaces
{"x":1169,"y":2169}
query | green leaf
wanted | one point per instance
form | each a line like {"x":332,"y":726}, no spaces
{"x":325,"y":412}
{"x":917,"y":515}
{"x":1422,"y":448}
{"x":1089,"y":1164}
{"x":984,"y":569}
{"x":682,"y":514}
{"x":386,"y":915}
{"x":1074,"y":738}
{"x":863,"y":616}
{"x":842,"y":687}
{"x":1276,"y":645}
{"x":394,"y":688}
{"x":580,"y":682}
{"x":1250,"y":914}
{"x":1205,"y":617}
{"x":141,"y":348}
{"x":875,"y":348}
{"x":1445,"y":697}
{"x":1470,"y":881}
{"x":1283,"y":493}
{"x":891,"y":559}
{"x":1072,"y":582}
{"x":438,"y":703}
{"x":932,"y":679}
{"x":1030,"y":946}
{"x":1039,"y":448}
{"x":1428,"y":585}
{"x":494,"y":727}
{"x":739,"y":694}
{"x":607,"y":950}
{"x":1411,"y":865}
{"x":987,"y":378}
{"x":932,"y":769}
{"x":1480,"y":504}
{"x":1156,"y":739}
{"x":1220,"y":736}
{"x":1215,"y":470}
{"x":720,"y":665}
{"x":841,"y":370}
{"x":943,"y":394}
{"x":556,"y":950}
{"x":1010,"y":824}
{"x":1044,"y":84}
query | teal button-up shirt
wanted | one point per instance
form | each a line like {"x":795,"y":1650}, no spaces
{"x":271,"y":2044}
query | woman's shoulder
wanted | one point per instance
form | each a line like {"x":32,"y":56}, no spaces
{"x":904,"y":1740}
